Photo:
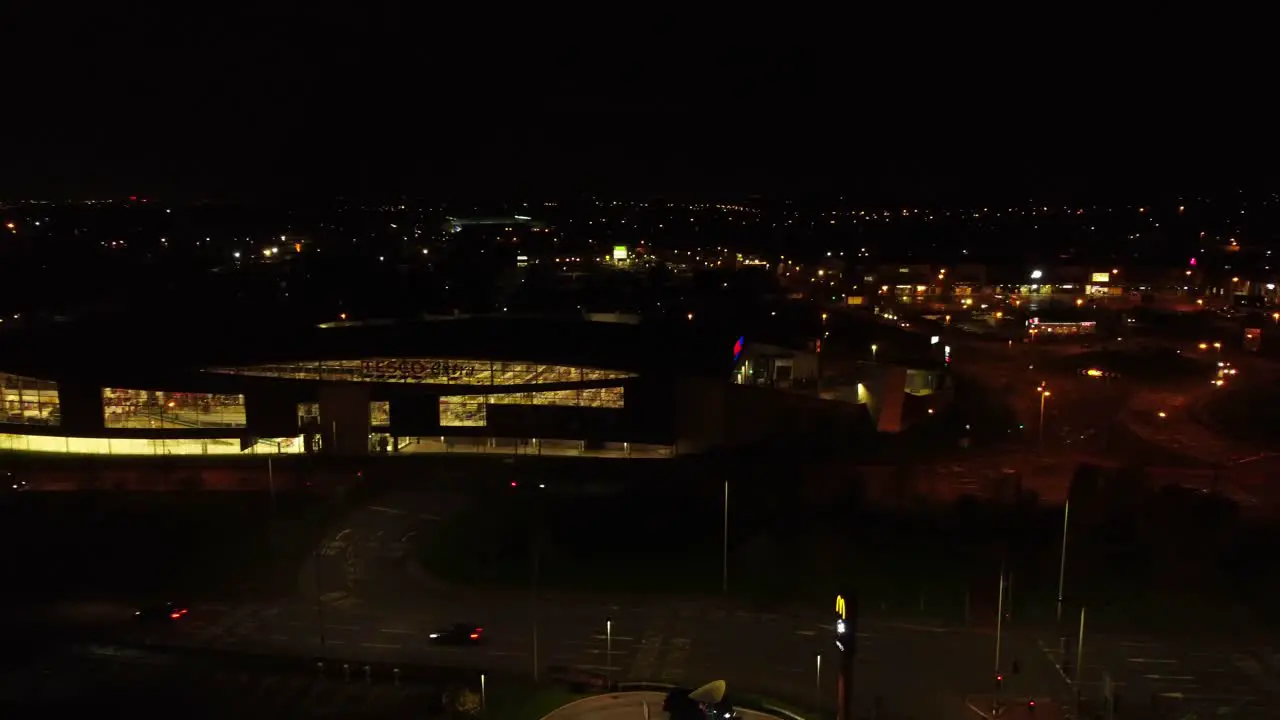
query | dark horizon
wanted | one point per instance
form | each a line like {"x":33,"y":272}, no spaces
{"x":342,"y":104}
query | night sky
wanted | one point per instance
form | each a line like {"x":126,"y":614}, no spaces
{"x":125,"y":102}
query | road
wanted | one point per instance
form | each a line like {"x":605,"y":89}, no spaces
{"x":1207,"y":676}
{"x":387,"y":611}
{"x":917,"y":669}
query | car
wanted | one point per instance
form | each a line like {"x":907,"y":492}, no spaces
{"x":458,"y":634}
{"x":163,"y":612}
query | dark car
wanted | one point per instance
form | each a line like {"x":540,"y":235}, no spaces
{"x":679,"y":706}
{"x":458,"y":634}
{"x":164,"y":612}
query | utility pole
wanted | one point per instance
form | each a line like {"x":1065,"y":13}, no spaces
{"x":999,"y":618}
{"x":533,"y":604}
{"x":724,"y":558}
{"x":319,"y":601}
{"x":1062,"y":564}
{"x":1080,"y":650}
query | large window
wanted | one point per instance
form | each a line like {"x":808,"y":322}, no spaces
{"x":29,"y":401}
{"x":429,"y":370}
{"x":462,"y":411}
{"x":147,"y":446}
{"x":472,"y":410}
{"x":380,"y":413}
{"x":151,"y":409}
{"x":308,"y":415}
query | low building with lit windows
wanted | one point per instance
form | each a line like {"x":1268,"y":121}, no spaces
{"x":482,"y":384}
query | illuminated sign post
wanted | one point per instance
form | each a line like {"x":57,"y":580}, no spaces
{"x":847,"y":645}
{"x":620,"y":253}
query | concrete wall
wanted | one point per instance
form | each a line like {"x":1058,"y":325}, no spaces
{"x":344,"y":419}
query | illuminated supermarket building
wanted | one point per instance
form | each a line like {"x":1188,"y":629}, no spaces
{"x":459,"y":385}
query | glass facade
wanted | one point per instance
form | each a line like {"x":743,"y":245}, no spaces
{"x":462,"y":411}
{"x":471,"y":410}
{"x":154,"y":409}
{"x":380,"y":413}
{"x":308,"y":414}
{"x":146,"y":446}
{"x":28,"y":401}
{"x":428,"y":370}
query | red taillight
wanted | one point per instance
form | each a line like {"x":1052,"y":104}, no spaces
{"x":475,"y":636}
{"x":175,"y":615}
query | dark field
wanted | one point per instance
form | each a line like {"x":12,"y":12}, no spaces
{"x":1135,"y":557}
{"x":218,"y":545}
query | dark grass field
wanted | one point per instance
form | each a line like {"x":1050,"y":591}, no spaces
{"x":1136,"y":558}
{"x":206,"y":545}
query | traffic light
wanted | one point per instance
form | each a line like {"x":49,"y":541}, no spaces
{"x":999,"y":682}
{"x":1031,"y":707}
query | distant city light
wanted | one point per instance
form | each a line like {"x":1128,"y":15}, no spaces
{"x":1036,"y":274}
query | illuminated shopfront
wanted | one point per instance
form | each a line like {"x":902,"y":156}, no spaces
{"x":145,"y":446}
{"x":471,"y":410}
{"x":153,"y":409}
{"x":28,"y":401}
{"x":428,"y":370}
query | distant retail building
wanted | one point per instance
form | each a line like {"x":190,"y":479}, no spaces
{"x":470,"y":384}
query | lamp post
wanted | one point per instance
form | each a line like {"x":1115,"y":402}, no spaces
{"x":608,"y":650}
{"x":724,"y":556}
{"x":817,"y":683}
{"x":1062,"y":564}
{"x":874,"y":347}
{"x":1044,"y":394}
{"x":999,"y":619}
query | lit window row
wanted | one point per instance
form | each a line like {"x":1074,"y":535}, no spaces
{"x":471,"y":410}
{"x":28,"y":401}
{"x":146,"y":446}
{"x":428,"y":370}
{"x":153,"y":409}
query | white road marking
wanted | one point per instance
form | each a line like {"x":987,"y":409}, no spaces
{"x":597,"y":667}
{"x":1164,"y":661}
{"x":379,"y":645}
{"x":808,"y":633}
{"x":1169,"y":677}
{"x":395,"y":631}
{"x":505,"y":653}
{"x":379,"y":508}
{"x":615,"y":637}
{"x":343,"y":627}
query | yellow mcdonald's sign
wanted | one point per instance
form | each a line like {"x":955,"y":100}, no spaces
{"x":840,"y":609}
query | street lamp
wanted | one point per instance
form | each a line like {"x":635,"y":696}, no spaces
{"x":724,"y":558}
{"x":608,"y":649}
{"x":1062,"y":564}
{"x":817,"y":683}
{"x":874,"y":347}
{"x":1043,"y":394}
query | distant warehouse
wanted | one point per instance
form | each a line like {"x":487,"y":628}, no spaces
{"x":470,"y":384}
